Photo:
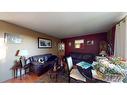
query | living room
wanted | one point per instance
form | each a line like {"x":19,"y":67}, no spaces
{"x":49,"y":45}
{"x":63,"y":47}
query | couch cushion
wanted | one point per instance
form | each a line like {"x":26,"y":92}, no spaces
{"x":47,"y":56}
{"x":37,"y":57}
{"x":51,"y":58}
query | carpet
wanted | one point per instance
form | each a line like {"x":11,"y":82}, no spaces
{"x":61,"y":78}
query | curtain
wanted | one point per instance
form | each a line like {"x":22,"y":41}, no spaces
{"x":120,"y":49}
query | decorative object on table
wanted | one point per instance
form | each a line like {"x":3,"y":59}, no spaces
{"x":44,"y":43}
{"x":100,"y":57}
{"x":112,"y":69}
{"x":12,"y":38}
{"x":109,"y":49}
{"x":21,"y":53}
{"x":103,"y":46}
{"x":118,"y":61}
{"x":20,"y":62}
{"x":103,"y":53}
{"x":79,"y":43}
{"x":90,"y":42}
{"x":23,"y":56}
{"x":84,"y":65}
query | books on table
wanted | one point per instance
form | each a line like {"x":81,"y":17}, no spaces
{"x":84,"y":65}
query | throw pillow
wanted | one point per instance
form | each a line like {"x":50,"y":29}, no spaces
{"x":41,"y":60}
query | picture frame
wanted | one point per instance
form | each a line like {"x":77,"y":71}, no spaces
{"x":79,"y":44}
{"x":44,"y":43}
{"x":11,"y":38}
{"x":90,"y":42}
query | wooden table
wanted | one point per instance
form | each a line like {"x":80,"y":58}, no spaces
{"x":87,"y":73}
{"x":54,"y":73}
{"x":17,"y":66}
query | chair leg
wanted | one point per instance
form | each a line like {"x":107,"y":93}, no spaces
{"x":28,"y":70}
{"x":50,"y":76}
{"x":69,"y":79}
{"x":25,"y":71}
{"x":56,"y":77}
{"x":16,"y":73}
{"x":20,"y":73}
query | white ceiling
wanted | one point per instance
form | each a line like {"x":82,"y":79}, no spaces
{"x":64,"y":24}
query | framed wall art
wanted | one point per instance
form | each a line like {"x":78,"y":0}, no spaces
{"x":12,"y":38}
{"x":79,"y":43}
{"x":90,"y":42}
{"x":44,"y":43}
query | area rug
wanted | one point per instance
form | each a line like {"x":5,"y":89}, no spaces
{"x":45,"y":78}
{"x":61,"y":78}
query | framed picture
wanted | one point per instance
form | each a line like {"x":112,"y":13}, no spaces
{"x":79,"y":43}
{"x":12,"y":38}
{"x":44,"y":43}
{"x":90,"y":42}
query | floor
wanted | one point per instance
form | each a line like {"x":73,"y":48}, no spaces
{"x":45,"y":78}
{"x":28,"y":78}
{"x":32,"y":78}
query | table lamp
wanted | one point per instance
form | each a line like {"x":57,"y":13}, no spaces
{"x":103,"y":53}
{"x":21,"y":53}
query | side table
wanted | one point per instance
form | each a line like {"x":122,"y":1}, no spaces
{"x":53,"y":73}
{"x":17,"y":66}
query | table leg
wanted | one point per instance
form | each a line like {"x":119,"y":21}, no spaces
{"x":20,"y":73}
{"x":56,"y":77}
{"x":14,"y":72}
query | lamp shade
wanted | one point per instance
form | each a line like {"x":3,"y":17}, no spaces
{"x":103,"y":53}
{"x":23,"y":53}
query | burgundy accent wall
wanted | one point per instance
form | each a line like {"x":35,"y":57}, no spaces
{"x":85,"y":48}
